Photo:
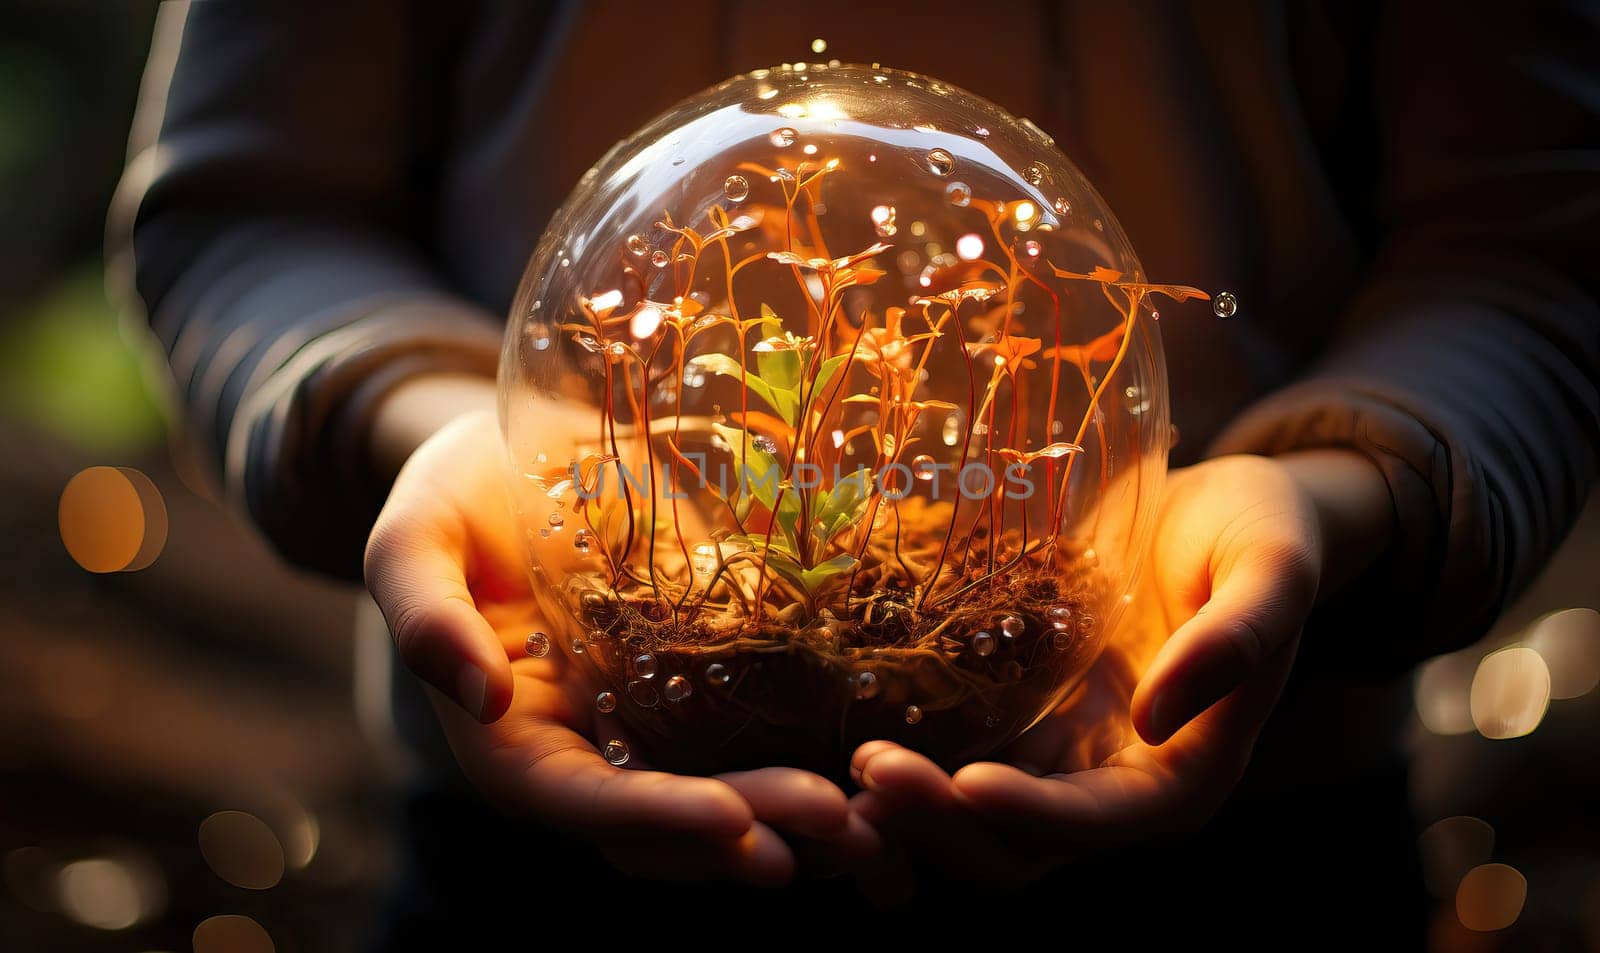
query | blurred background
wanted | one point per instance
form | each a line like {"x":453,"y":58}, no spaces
{"x":183,"y":757}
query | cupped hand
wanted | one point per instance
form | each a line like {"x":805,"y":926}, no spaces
{"x":444,"y":564}
{"x":1164,"y":725}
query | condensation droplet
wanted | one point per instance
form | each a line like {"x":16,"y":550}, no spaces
{"x":717,"y":673}
{"x":982,"y":132}
{"x":1059,"y":617}
{"x":1086,"y":623}
{"x":660,"y":258}
{"x":764,"y":443}
{"x":605,"y":702}
{"x":866,"y":685}
{"x":1135,"y":400}
{"x":736,"y":188}
{"x":983,"y":644}
{"x":556,"y":520}
{"x":616,"y":752}
{"x":637,"y":245}
{"x":783,"y":137}
{"x":913,"y":714}
{"x":940,"y":162}
{"x":1013,"y":625}
{"x":1035,"y":173}
{"x":1061,"y":205}
{"x":643,"y":693}
{"x":1061,"y":641}
{"x":959,"y":194}
{"x":922,"y":467}
{"x":579,"y":646}
{"x":537,"y":645}
{"x":1224,"y":305}
{"x":883,"y":220}
{"x":583,"y":541}
{"x":677,"y":689}
{"x":645,"y":666}
{"x":1032,"y":249}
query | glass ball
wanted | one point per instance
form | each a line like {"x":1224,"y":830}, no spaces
{"x":835,"y":392}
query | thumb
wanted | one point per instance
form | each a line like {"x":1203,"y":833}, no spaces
{"x":1256,"y":610}
{"x":415,"y":571}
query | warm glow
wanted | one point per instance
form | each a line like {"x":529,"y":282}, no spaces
{"x":969,"y":247}
{"x":112,"y":519}
{"x":1442,"y":693}
{"x":109,"y":894}
{"x":231,"y":934}
{"x":1510,"y":693}
{"x":1491,"y":897}
{"x":242,"y":850}
{"x":1569,"y":643}
{"x":645,"y":322}
{"x":1449,"y":848}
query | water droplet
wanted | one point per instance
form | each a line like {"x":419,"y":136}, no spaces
{"x":783,"y":137}
{"x":1032,"y":248}
{"x":1224,"y":305}
{"x":643,"y":693}
{"x":940,"y":162}
{"x":1012,"y":671}
{"x":883,"y":220}
{"x":736,"y":188}
{"x":922,"y":467}
{"x":866,"y":685}
{"x":717,"y":673}
{"x":704,"y":559}
{"x":913,"y":714}
{"x":582,"y":541}
{"x":579,"y":646}
{"x":951,"y":432}
{"x":616,"y":752}
{"x":819,"y":45}
{"x":1086,"y":623}
{"x":637,"y":245}
{"x":1057,"y":427}
{"x":1099,"y":226}
{"x":992,"y":719}
{"x":1061,"y":641}
{"x":605,"y":702}
{"x":537,"y":645}
{"x":983,"y":644}
{"x":1013,"y":625}
{"x":1060,"y":617}
{"x":982,"y":132}
{"x":556,"y":520}
{"x":1061,"y":205}
{"x":644,"y":665}
{"x":677,"y":689}
{"x":660,"y":258}
{"x":1035,"y":173}
{"x":958,"y":194}
{"x":764,"y":443}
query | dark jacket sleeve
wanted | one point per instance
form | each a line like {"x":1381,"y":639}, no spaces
{"x":272,"y":225}
{"x":1467,"y":368}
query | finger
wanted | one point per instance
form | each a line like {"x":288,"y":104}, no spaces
{"x":1254,"y":612}
{"x":542,"y":769}
{"x":916,"y":802}
{"x":888,"y":880}
{"x":759,"y":857}
{"x":794,"y":801}
{"x":414,"y":570}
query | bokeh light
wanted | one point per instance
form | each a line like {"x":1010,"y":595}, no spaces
{"x":1449,"y":848}
{"x":1490,"y":897}
{"x":1510,"y":692}
{"x":242,"y":849}
{"x":232,"y":934}
{"x":1569,"y":642}
{"x":110,"y":893}
{"x":1442,"y":693}
{"x":112,"y":519}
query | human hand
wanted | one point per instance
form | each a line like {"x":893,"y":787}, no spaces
{"x":445,"y":566}
{"x":1163,"y":727}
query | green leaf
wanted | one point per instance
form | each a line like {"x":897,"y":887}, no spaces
{"x":825,"y":374}
{"x":813,"y":579}
{"x":784,"y":403}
